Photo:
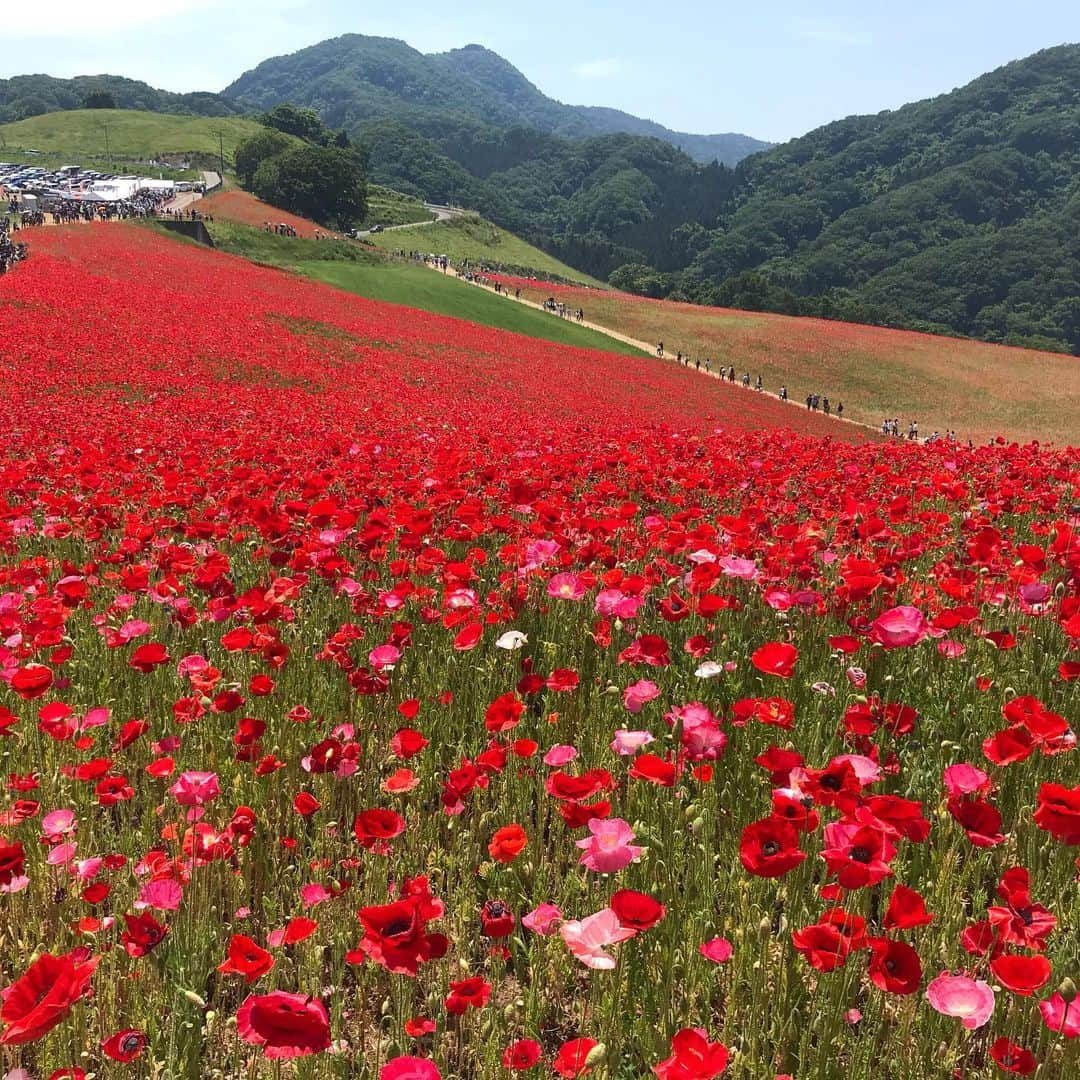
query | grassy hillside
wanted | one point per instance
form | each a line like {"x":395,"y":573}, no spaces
{"x":355,"y":269}
{"x":958,"y":214}
{"x":389,"y":207}
{"x":974,"y":388}
{"x":480,"y":241}
{"x":132,"y":136}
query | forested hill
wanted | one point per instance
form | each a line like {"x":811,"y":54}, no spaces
{"x":959,"y":213}
{"x":24,"y":96}
{"x":354,"y":79}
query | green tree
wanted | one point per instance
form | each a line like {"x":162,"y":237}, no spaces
{"x":305,"y":124}
{"x":320,"y":182}
{"x":251,"y":153}
{"x":99,"y":99}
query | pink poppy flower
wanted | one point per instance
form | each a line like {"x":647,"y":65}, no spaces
{"x":608,"y":849}
{"x":195,"y":788}
{"x":970,"y":1000}
{"x":560,"y":755}
{"x":542,"y":919}
{"x":746,"y":569}
{"x":636,"y":696}
{"x":718,"y":950}
{"x":163,"y":894}
{"x":539,"y":552}
{"x":566,"y":587}
{"x":628,"y":743}
{"x":900,"y":627}
{"x":57,"y":824}
{"x":964,"y":779}
{"x":588,"y":939}
{"x":384,"y":656}
{"x":1062,"y":1017}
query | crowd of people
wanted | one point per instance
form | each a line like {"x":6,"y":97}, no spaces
{"x":11,"y":251}
{"x":142,"y":204}
{"x":282,"y":228}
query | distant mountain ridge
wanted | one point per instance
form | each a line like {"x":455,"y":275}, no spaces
{"x":354,"y":79}
{"x":23,"y":96}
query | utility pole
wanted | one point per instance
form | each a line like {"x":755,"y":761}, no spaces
{"x":220,"y":133}
{"x":108,"y":155}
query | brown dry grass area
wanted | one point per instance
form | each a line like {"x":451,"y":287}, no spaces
{"x":245,"y":209}
{"x":974,"y":388}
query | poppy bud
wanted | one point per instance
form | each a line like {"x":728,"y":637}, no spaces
{"x":597,"y":1056}
{"x":194,"y":998}
{"x":387,"y":1007}
{"x":1067,"y":990}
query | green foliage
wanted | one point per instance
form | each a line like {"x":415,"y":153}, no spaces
{"x":957,"y":214}
{"x":99,"y":99}
{"x":305,"y":124}
{"x":251,"y":153}
{"x":33,"y":95}
{"x":320,"y":182}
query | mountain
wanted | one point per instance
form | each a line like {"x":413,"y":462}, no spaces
{"x":353,"y":80}
{"x":960,"y":213}
{"x":33,"y":95}
{"x":597,"y":203}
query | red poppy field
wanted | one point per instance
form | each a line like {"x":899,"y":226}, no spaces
{"x":394,"y":698}
{"x":974,"y":388}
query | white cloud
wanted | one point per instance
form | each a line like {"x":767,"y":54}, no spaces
{"x":598,"y":69}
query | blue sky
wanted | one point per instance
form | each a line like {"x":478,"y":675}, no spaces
{"x":773,"y":70}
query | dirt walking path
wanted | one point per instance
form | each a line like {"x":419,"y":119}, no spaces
{"x":650,"y":349}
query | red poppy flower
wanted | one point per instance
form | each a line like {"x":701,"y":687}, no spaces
{"x":693,"y":1057}
{"x":507,"y":843}
{"x":43,"y":996}
{"x":906,"y":910}
{"x":496,"y":920}
{"x":285,"y":1025}
{"x":472,"y":993}
{"x":31,"y":681}
{"x":246,"y":958}
{"x":776,"y":658}
{"x":149,"y":656}
{"x":824,"y":947}
{"x":770,"y":848}
{"x":1012,"y":1058}
{"x":894,"y":966}
{"x":374,"y":828}
{"x":570,"y":1060}
{"x":503,"y":713}
{"x":143,"y":934}
{"x":1058,"y":812}
{"x":395,"y":936}
{"x":125,"y":1045}
{"x":636,"y":911}
{"x":521,"y":1055}
{"x":12,"y":861}
{"x":1022,"y":975}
